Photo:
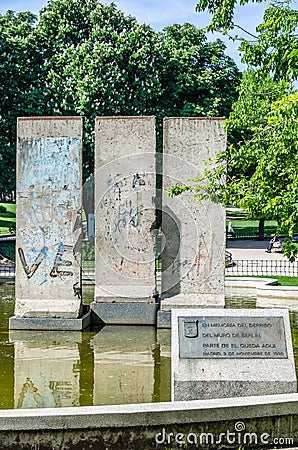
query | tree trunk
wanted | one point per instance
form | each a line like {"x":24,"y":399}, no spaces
{"x":261,"y":228}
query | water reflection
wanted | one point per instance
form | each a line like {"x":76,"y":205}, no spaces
{"x":46,"y":369}
{"x":6,"y":348}
{"x":124,"y":363}
{"x":234,"y":301}
{"x":111,"y":365}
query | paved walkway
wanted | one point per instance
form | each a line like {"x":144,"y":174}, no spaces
{"x":243,"y":249}
{"x":250,"y":258}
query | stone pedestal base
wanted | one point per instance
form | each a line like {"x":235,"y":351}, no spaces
{"x":124,"y":313}
{"x":203,"y":390}
{"x":123,"y":294}
{"x":49,"y":323}
{"x":193,"y":301}
{"x":164,"y":319}
{"x":231,"y":353}
{"x":186,"y":301}
{"x":48,"y":308}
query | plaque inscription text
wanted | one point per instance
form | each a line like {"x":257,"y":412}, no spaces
{"x":232,"y":337}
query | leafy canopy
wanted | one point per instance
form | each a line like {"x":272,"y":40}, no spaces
{"x":19,"y":73}
{"x":258,"y":171}
{"x":87,"y":58}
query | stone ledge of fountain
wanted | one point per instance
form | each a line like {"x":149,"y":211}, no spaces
{"x":124,"y":313}
{"x":266,"y":290}
{"x":248,"y":284}
{"x":191,"y":301}
{"x":277,"y":297}
{"x":160,"y":413}
{"x":126,"y":426}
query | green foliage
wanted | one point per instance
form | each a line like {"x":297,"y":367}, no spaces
{"x":249,"y":156}
{"x":7,"y":218}
{"x":269,"y":187}
{"x":86,"y":58}
{"x":276,"y":50}
{"x":198,"y":79}
{"x":19,"y":63}
{"x":259,"y":169}
{"x":88,"y":251}
{"x":222,"y":12}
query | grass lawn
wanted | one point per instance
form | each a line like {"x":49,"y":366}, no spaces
{"x":10,"y":207}
{"x":286,"y":281}
{"x":88,"y":264}
{"x":249,"y":227}
{"x":8,"y":218}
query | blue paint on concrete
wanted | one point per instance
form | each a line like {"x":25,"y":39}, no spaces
{"x":44,"y":251}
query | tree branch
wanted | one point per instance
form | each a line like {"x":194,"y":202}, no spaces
{"x":236,"y":38}
{"x":246,"y":31}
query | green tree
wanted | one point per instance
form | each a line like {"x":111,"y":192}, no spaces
{"x":86,"y":58}
{"x":98,"y":62}
{"x":198,"y":79}
{"x":262,"y":160}
{"x":108,"y":64}
{"x":256,"y":97}
{"x":19,"y":75}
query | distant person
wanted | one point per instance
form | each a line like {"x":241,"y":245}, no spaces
{"x":230,"y":231}
{"x":271,"y":242}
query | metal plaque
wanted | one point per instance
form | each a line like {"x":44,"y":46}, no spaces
{"x":232,"y":337}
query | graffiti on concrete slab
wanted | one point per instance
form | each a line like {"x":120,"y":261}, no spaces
{"x":128,"y":215}
{"x":127,"y":209}
{"x":30,"y":270}
{"x":59,"y":262}
{"x":49,"y":210}
{"x":138,"y":181}
{"x":125,"y":205}
{"x":176,"y":265}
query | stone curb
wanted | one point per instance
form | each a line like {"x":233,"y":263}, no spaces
{"x":164,"y":413}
